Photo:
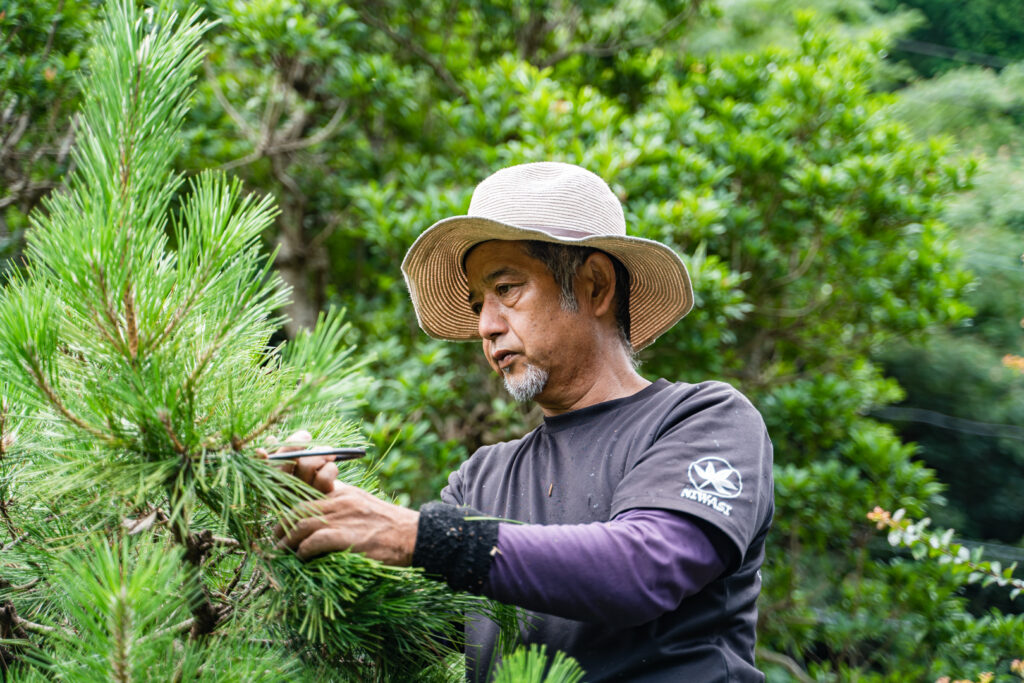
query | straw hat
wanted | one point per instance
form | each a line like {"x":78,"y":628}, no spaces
{"x":548,"y":202}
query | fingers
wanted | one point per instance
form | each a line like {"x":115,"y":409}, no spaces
{"x":351,"y":519}
{"x":325,"y":477}
{"x":295,"y":531}
{"x":306,"y":518}
{"x":319,"y":542}
{"x":296,"y":442}
{"x":318,"y":472}
{"x":290,"y":520}
{"x":262,"y":452}
{"x":306,"y":469}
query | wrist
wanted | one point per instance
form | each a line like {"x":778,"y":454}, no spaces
{"x":453,"y":548}
{"x":408,"y":531}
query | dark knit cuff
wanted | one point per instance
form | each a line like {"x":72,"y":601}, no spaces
{"x":458,"y":550}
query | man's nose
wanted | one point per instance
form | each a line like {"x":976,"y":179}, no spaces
{"x":491,"y":323}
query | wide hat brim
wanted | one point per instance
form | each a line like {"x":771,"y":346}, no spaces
{"x":660,"y":291}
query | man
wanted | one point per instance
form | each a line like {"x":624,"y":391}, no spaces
{"x":644,"y":506}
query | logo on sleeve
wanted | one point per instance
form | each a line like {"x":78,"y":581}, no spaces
{"x":713,"y":478}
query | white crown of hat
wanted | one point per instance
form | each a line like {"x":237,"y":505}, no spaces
{"x":550,"y":196}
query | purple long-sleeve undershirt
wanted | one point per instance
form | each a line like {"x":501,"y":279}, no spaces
{"x":628,"y":570}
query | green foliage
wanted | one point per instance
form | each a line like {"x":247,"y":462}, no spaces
{"x":961,"y":376}
{"x":983,"y":109}
{"x":959,"y":379}
{"x":533,"y":666}
{"x":964,"y":378}
{"x":120,"y":608}
{"x":344,"y":608}
{"x":811,"y":224}
{"x":940,"y":545}
{"x":810,"y":220}
{"x":41,"y":49}
{"x":992,"y":30}
{"x":140,"y":382}
{"x":750,"y":25}
{"x":832,"y":222}
{"x":962,"y":565}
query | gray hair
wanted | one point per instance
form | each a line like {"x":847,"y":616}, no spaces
{"x":563,"y":260}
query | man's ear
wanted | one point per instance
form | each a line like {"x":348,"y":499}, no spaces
{"x":597,"y":277}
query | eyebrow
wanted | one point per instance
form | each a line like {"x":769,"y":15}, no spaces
{"x":491,"y":277}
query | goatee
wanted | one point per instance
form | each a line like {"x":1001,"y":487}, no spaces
{"x":530,"y":383}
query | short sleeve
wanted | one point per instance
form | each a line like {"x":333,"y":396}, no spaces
{"x":711,"y":458}
{"x":452,"y":493}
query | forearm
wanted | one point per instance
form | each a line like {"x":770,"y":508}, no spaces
{"x":628,"y":571}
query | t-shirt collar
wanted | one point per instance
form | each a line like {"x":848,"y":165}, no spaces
{"x":572,"y":418}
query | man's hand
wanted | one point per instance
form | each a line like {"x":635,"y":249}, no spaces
{"x":319,"y":472}
{"x":351,"y":519}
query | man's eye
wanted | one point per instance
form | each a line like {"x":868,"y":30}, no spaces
{"x":475,"y":308}
{"x":503,"y":289}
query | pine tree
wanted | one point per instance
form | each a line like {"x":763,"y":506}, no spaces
{"x":139,"y":379}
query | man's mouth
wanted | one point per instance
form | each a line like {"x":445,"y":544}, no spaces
{"x":504,"y":359}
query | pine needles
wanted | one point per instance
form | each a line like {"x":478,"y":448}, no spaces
{"x":134,"y":516}
{"x":534,"y":666}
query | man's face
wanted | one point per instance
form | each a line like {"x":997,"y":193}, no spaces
{"x":527,"y":337}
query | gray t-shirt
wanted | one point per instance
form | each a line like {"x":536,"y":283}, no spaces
{"x":701,"y":449}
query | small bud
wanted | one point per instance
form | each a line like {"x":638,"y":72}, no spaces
{"x":880,"y":517}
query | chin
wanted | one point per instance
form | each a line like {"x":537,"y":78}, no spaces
{"x":527,"y":384}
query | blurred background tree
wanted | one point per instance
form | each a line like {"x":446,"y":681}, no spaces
{"x":963,"y":402}
{"x":41,"y":48}
{"x":985,"y":32}
{"x":853,"y":228}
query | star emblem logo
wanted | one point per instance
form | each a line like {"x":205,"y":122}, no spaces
{"x":713,"y":474}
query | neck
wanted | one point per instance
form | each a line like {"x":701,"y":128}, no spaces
{"x":605,"y":380}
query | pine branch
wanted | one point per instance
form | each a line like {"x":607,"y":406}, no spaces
{"x":165,"y":420}
{"x":114,"y":333}
{"x":159,"y":357}
{"x":14,"y":542}
{"x":140,"y":524}
{"x":132,"y":323}
{"x":225,"y":541}
{"x":5,"y":512}
{"x":179,"y":314}
{"x":206,"y":617}
{"x":187,"y":390}
{"x":23,"y":587}
{"x":56,"y":402}
{"x":255,"y":582}
{"x":176,"y":628}
{"x":120,"y":664}
{"x":238,"y":575}
{"x":11,"y":625}
{"x":276,"y":416}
